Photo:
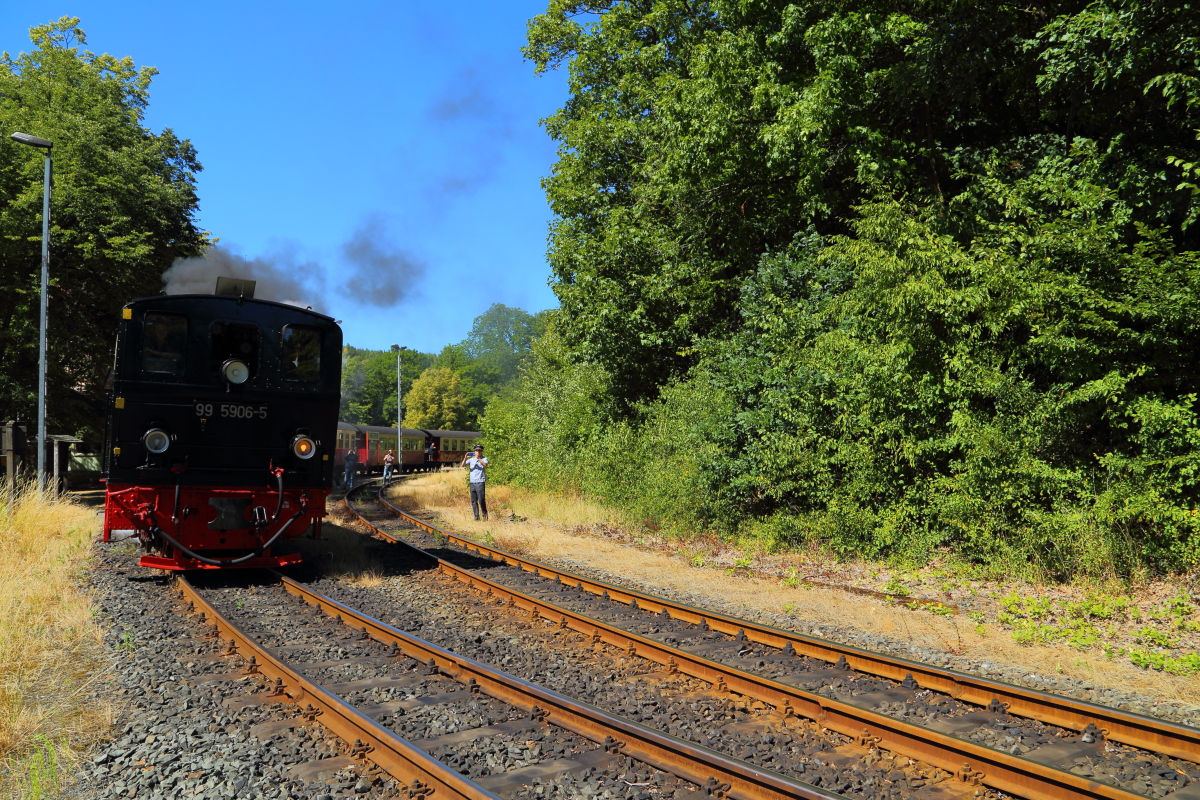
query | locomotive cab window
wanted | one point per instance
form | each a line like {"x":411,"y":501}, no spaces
{"x":234,"y":354}
{"x":164,"y":343}
{"x":301,"y":353}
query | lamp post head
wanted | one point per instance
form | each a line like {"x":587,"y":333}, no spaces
{"x":32,"y":141}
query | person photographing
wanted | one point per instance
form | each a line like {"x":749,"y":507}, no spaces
{"x":476,"y":466}
{"x":351,"y":466}
{"x":388,"y":462}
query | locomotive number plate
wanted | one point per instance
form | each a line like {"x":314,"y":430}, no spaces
{"x":229,"y":410}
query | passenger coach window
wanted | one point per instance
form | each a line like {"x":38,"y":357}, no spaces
{"x":301,"y":353}
{"x":164,"y":343}
{"x":231,"y":340}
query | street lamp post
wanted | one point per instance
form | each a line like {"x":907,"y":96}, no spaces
{"x":45,"y":144}
{"x":397,"y":349}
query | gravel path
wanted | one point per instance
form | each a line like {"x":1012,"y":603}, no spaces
{"x":182,"y":729}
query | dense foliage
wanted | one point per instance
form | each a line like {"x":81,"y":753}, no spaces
{"x":699,"y":136}
{"x":483,"y":364}
{"x":896,"y":277}
{"x":124,"y":208}
{"x":369,"y":383}
{"x":437,"y":401}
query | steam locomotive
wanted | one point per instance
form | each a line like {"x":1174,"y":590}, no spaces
{"x":222,"y":428}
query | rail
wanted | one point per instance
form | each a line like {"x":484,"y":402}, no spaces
{"x":966,"y":760}
{"x":668,"y":753}
{"x":390,"y":752}
{"x":1148,"y":733}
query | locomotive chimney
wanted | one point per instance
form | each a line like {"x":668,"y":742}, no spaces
{"x":236,"y":287}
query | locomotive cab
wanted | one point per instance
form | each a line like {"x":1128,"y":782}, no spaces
{"x":222,"y":428}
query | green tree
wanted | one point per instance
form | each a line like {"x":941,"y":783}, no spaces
{"x":699,"y":136}
{"x":500,"y":341}
{"x":437,"y":401}
{"x":475,"y":380}
{"x":369,"y":383}
{"x":124,"y":207}
{"x":923,"y":277}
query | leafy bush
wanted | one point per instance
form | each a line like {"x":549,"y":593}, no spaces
{"x":897,"y":282}
{"x":557,"y":429}
{"x":1023,"y":397}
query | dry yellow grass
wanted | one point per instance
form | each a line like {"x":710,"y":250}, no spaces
{"x":446,"y":494}
{"x":546,"y":526}
{"x":51,"y":649}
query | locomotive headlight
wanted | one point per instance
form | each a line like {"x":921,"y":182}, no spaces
{"x":235,"y":371}
{"x":156,"y":440}
{"x":304,"y":447}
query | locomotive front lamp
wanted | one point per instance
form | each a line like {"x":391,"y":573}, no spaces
{"x":157,"y":441}
{"x":235,"y":371}
{"x":304,"y":447}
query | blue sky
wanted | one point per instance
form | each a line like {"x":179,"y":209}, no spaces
{"x":354,"y":133}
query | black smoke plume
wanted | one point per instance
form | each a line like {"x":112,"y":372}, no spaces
{"x":379,"y":274}
{"x":284,"y":277}
{"x":374,"y":272}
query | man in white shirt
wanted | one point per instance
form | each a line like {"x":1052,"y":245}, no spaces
{"x":477,"y":466}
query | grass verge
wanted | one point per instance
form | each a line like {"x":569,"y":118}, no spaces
{"x":51,"y":648}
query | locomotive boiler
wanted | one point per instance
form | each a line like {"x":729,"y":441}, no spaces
{"x":222,"y":428}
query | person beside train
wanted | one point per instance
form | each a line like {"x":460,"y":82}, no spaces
{"x":430,"y":452}
{"x":351,"y":464}
{"x":388,"y":462}
{"x":477,"y":467}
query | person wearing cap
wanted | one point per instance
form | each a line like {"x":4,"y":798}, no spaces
{"x":351,"y":465}
{"x":388,"y":461}
{"x":477,"y":466}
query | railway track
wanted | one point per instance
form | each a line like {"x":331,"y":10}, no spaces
{"x":379,"y":676}
{"x":1062,"y":747}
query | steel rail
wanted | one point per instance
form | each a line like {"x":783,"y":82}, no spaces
{"x":393,"y":754}
{"x":679,"y":757}
{"x":1137,"y":730}
{"x":965,"y":760}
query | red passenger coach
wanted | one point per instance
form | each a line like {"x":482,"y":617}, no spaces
{"x":222,"y":429}
{"x":410,"y":446}
{"x":453,"y":446}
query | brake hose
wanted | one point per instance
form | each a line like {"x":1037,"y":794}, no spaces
{"x":226,"y":562}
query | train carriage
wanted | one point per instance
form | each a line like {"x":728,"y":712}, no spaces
{"x":411,"y":447}
{"x":222,"y":428}
{"x":414,"y":444}
{"x":453,"y":446}
{"x":371,"y":443}
{"x":349,"y":437}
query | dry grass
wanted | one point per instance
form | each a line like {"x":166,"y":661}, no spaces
{"x":445,"y":493}
{"x":51,"y":649}
{"x":340,"y":553}
{"x":549,"y":526}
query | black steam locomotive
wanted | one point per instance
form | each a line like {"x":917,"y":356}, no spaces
{"x":222,"y":428}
